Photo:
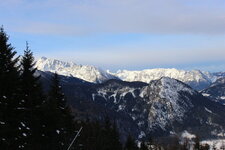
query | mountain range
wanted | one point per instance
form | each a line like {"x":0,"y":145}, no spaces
{"x":164,"y":107}
{"x":197,"y":79}
{"x":160,"y":106}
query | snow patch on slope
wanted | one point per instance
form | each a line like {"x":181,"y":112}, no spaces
{"x":171,"y":87}
{"x":187,"y":135}
{"x":120,"y":93}
{"x":167,"y":106}
{"x":218,"y":143}
{"x":170,"y":90}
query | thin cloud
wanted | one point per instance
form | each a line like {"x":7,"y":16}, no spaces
{"x":127,"y":16}
{"x":51,"y":29}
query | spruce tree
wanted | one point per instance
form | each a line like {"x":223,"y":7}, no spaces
{"x":130,"y":144}
{"x":9,"y":94}
{"x":143,"y":146}
{"x":32,"y":103}
{"x":58,"y":118}
{"x":110,"y":136}
{"x":197,"y":143}
{"x":115,"y":138}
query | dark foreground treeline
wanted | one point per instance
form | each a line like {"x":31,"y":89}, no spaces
{"x":32,"y":120}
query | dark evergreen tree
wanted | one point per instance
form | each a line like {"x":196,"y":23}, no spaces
{"x":110,"y":136}
{"x":32,"y":102}
{"x":197,"y":143}
{"x":59,"y":121}
{"x":204,"y":147}
{"x":222,"y":147}
{"x":130,"y":144}
{"x":99,"y":136}
{"x":9,"y":99}
{"x":173,"y":143}
{"x":107,"y":134}
{"x":116,"y":144}
{"x":214,"y":146}
{"x":92,"y":137}
{"x":185,"y":144}
{"x":143,"y":146}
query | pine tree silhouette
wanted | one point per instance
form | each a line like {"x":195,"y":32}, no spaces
{"x":115,"y":138}
{"x":59,"y":121}
{"x":32,"y":103}
{"x":143,"y":146}
{"x":130,"y":144}
{"x":9,"y":94}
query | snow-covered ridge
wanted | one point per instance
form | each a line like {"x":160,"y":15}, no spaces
{"x":170,"y":86}
{"x":155,"y":74}
{"x":87,"y":73}
{"x":193,"y":78}
{"x":163,"y":101}
{"x":165,"y":94}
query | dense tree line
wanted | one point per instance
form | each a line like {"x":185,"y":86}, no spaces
{"x":28,"y":118}
{"x":9,"y":94}
{"x":32,"y":120}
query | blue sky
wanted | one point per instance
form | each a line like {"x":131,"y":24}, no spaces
{"x":121,"y":34}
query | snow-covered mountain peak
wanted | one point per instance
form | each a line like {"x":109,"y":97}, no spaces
{"x":169,"y":101}
{"x":170,"y":86}
{"x":152,"y":74}
{"x":46,"y":64}
{"x":87,"y":73}
{"x":195,"y":78}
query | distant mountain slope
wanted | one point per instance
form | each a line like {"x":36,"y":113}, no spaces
{"x":163,"y":107}
{"x":216,"y":91}
{"x":46,"y":78}
{"x":219,"y":74}
{"x":87,"y":73}
{"x":196,"y":79}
